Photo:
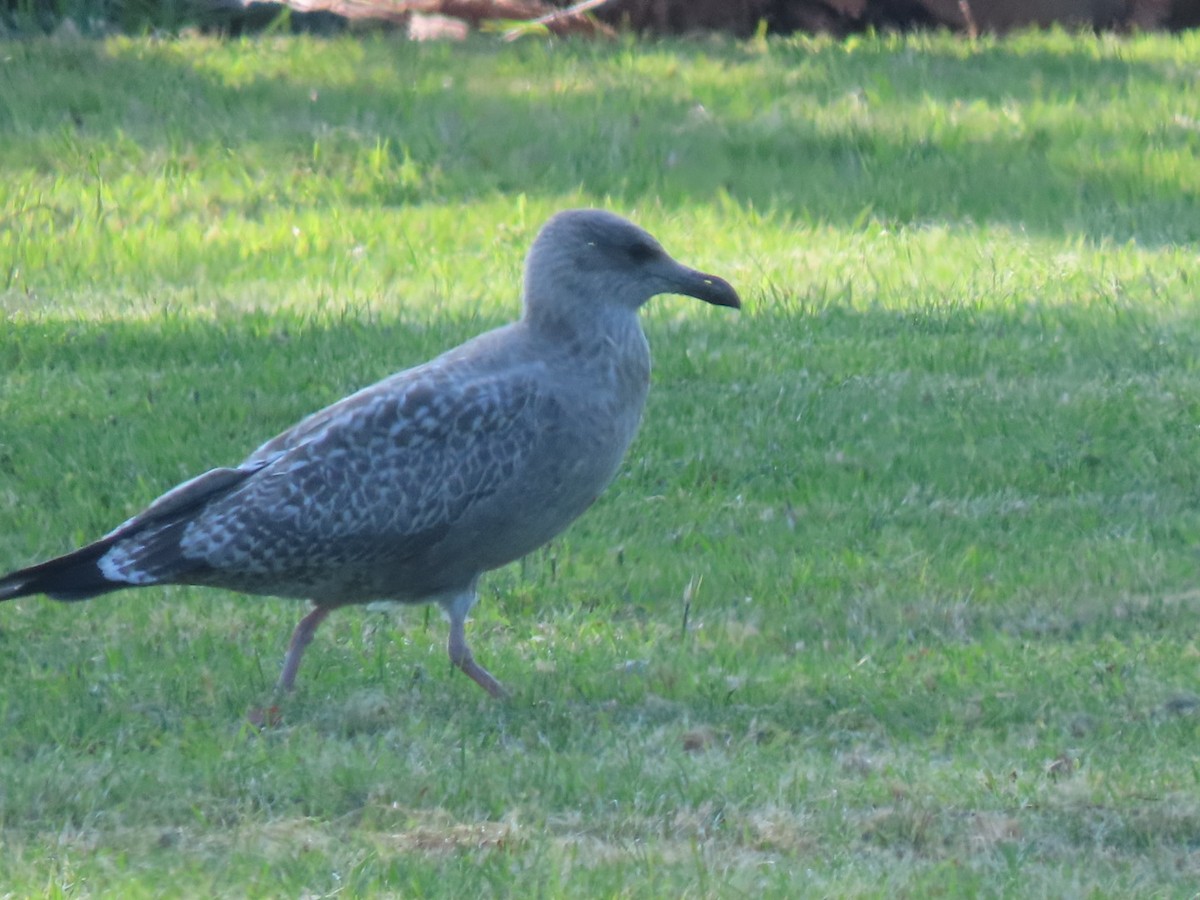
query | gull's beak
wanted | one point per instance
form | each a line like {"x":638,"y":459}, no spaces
{"x":702,"y":286}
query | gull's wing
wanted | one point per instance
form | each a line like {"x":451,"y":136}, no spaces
{"x":386,"y":473}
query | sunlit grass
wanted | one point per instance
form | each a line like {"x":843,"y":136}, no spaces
{"x":895,"y":593}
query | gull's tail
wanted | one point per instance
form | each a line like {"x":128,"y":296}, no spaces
{"x":75,"y":576}
{"x":149,"y":551}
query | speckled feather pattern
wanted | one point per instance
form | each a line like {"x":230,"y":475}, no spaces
{"x":373,"y":497}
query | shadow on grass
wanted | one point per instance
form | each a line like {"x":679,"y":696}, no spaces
{"x":1018,"y":133}
{"x":884,"y":418}
{"x":953,"y":478}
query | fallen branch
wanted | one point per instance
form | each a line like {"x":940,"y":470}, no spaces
{"x":571,"y":20}
{"x":538,"y":14}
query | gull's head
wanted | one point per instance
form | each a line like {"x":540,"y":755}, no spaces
{"x":593,"y":257}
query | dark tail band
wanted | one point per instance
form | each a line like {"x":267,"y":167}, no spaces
{"x":75,"y":576}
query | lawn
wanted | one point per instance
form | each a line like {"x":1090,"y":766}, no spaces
{"x":896,"y":594}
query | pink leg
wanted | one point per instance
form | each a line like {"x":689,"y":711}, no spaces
{"x":460,"y":654}
{"x":301,"y":638}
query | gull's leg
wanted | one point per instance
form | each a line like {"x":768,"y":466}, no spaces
{"x":301,"y":638}
{"x":456,"y":608}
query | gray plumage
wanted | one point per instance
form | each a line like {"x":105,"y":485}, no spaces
{"x":413,"y":487}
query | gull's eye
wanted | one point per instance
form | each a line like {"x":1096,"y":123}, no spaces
{"x":642,"y":251}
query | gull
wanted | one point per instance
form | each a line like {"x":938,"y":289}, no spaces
{"x":412,"y":488}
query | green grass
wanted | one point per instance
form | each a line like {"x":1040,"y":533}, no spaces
{"x":932,"y":498}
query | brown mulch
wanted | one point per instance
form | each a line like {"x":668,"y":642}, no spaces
{"x":453,"y":19}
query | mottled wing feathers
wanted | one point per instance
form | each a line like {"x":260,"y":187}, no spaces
{"x":187,"y":497}
{"x":449,"y":373}
{"x":368,"y":484}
